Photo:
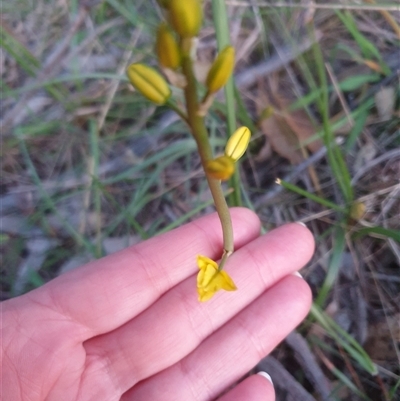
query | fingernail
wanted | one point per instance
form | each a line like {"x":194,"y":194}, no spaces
{"x":297,"y":274}
{"x":266,"y":375}
{"x":301,"y":223}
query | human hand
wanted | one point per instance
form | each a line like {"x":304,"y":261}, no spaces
{"x":129,"y":326}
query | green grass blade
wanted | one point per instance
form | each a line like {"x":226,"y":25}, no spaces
{"x":131,"y":222}
{"x":384,"y":232}
{"x":132,"y":18}
{"x":344,"y":339}
{"x":95,"y":159}
{"x":80,"y":239}
{"x":220,"y":18}
{"x":21,"y":55}
{"x":394,"y":390}
{"x":335,"y":263}
{"x":178,"y":149}
{"x":347,"y":85}
{"x":334,"y":153}
{"x":356,"y":130}
{"x":309,"y":195}
{"x":243,"y":114}
{"x":348,"y":383}
{"x":183,"y":219}
{"x":65,"y":78}
{"x":368,"y":49}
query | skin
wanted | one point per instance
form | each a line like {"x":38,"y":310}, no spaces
{"x":129,"y":326}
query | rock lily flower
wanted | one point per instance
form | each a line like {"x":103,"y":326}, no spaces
{"x":210,"y":279}
{"x":223,"y":167}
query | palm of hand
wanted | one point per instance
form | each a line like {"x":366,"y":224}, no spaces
{"x":129,"y":326}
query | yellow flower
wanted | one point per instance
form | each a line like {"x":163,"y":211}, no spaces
{"x":210,"y":279}
{"x":167,"y":48}
{"x":186,"y":17}
{"x":221,"y":69}
{"x":149,"y":83}
{"x":357,"y":210}
{"x":223,"y":167}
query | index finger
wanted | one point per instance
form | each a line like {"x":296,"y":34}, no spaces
{"x":108,"y":292}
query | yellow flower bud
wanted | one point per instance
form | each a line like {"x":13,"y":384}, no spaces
{"x":186,"y":17}
{"x":167,"y":48}
{"x":237,"y":143}
{"x":220,"y":168}
{"x":149,"y":83}
{"x":357,"y":210}
{"x":221,"y":69}
{"x":266,"y":113}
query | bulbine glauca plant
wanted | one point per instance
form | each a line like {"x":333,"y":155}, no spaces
{"x":175,"y":48}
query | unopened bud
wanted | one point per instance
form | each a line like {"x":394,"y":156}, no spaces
{"x":221,"y":69}
{"x":220,"y":168}
{"x":167,"y":48}
{"x":357,"y":210}
{"x":186,"y":17}
{"x":266,"y":113}
{"x":149,"y":83}
{"x":237,"y":143}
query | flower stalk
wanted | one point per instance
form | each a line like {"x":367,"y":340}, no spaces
{"x":176,"y":59}
{"x":200,"y":134}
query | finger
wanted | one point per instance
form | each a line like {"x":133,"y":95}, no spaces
{"x":177,"y":323}
{"x":233,"y":350}
{"x":253,"y":388}
{"x":106,"y":293}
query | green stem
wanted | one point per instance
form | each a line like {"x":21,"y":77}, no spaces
{"x":200,"y":134}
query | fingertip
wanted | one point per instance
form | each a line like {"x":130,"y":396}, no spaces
{"x":305,"y":237}
{"x":297,"y":274}
{"x":303,"y":295}
{"x":253,"y":388}
{"x":266,"y":376}
{"x":301,"y":223}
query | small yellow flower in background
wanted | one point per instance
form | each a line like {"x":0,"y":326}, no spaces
{"x":167,"y":48}
{"x":266,"y":113}
{"x":357,"y":210}
{"x":210,"y":279}
{"x":221,"y":69}
{"x":223,"y":167}
{"x":185,"y":16}
{"x":149,"y":83}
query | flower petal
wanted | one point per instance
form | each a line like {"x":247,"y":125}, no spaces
{"x":203,"y":261}
{"x":206,"y":276}
{"x":225,"y":282}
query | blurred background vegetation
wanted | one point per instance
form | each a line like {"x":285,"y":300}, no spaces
{"x":89,"y":167}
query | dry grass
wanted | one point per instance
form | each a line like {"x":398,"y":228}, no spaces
{"x":88,"y":167}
